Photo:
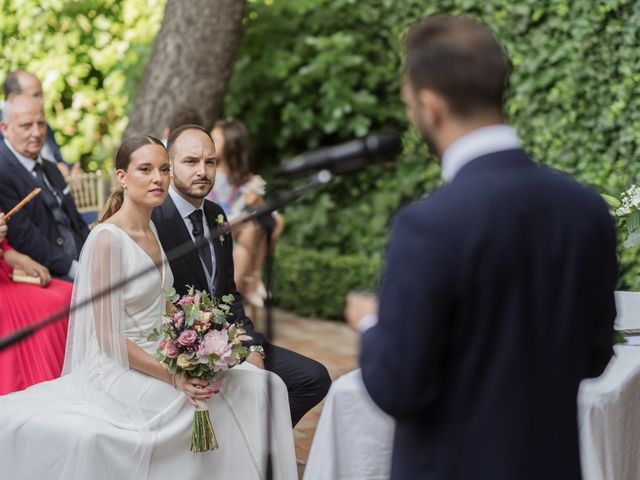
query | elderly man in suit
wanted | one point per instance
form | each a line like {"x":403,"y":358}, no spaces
{"x":49,"y":228}
{"x":23,"y":82}
{"x":498,"y":292}
{"x":186,"y":216}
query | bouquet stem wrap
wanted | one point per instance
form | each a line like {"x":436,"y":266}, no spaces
{"x":202,"y":437}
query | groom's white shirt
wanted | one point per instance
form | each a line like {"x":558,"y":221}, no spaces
{"x":469,"y":147}
{"x":185,"y":209}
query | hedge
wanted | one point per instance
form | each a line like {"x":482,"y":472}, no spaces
{"x":315,"y":284}
{"x":331,"y":69}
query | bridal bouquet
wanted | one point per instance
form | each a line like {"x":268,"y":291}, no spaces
{"x":626,"y":210}
{"x":197,"y":341}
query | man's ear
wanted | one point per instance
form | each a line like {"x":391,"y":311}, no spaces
{"x":433,"y":107}
{"x":165,"y":132}
{"x":3,"y":128}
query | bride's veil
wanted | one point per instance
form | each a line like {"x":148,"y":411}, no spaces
{"x":96,"y":353}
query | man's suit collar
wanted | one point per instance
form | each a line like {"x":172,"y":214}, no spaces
{"x":515,"y":158}
{"x":476,"y":144}
{"x":26,"y":177}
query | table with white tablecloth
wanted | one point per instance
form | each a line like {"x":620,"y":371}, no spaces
{"x":354,"y":438}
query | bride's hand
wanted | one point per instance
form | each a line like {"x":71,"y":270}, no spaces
{"x":195,"y":388}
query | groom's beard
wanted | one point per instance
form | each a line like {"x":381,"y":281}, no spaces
{"x":197,"y":192}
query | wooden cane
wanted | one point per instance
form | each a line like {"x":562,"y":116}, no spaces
{"x":22,"y":203}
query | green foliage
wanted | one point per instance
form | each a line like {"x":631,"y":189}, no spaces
{"x":89,"y":56}
{"x":319,"y":72}
{"x":316,"y":283}
{"x":331,"y":72}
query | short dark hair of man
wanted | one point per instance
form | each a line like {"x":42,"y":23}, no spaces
{"x":12,"y":83}
{"x":460,"y":59}
{"x":183,"y":115}
{"x":175,"y":134}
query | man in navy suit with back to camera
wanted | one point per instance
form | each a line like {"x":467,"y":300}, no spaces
{"x":498,"y":292}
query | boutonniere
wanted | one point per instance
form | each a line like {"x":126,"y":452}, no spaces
{"x":225,"y":226}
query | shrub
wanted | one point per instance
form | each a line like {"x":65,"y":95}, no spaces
{"x":315,"y":284}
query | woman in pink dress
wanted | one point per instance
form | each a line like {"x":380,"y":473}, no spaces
{"x":40,"y":356}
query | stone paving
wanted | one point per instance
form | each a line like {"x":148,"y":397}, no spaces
{"x":330,"y":342}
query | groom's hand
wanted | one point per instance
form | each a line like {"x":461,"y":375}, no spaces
{"x":256,"y":359}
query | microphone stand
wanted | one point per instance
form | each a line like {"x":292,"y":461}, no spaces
{"x":318,"y":180}
{"x":321,"y":178}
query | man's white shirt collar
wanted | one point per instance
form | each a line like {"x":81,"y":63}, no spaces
{"x":26,"y":162}
{"x":184,"y":208}
{"x":479,"y":142}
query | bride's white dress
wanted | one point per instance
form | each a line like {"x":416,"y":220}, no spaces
{"x":103,"y":420}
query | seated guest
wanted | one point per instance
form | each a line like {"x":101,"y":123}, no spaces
{"x":23,"y":82}
{"x":49,"y":228}
{"x":238,"y":191}
{"x":39,"y":357}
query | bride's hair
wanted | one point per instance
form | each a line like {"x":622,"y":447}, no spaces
{"x":122,"y":161}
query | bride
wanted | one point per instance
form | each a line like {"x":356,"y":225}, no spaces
{"x":116,"y":412}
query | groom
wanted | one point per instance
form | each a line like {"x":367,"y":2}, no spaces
{"x":185,"y":217}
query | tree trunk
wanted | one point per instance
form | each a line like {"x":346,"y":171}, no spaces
{"x":191,"y":62}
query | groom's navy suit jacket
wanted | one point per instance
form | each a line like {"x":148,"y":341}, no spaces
{"x":33,"y":231}
{"x":496,"y":301}
{"x":188,"y":270}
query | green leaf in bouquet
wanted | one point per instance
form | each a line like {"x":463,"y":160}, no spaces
{"x":224,"y":307}
{"x":228,"y":299}
{"x":172,"y":296}
{"x":154,"y":336}
{"x":240,"y":351}
{"x":191,"y":314}
{"x":211,"y":363}
{"x":633,"y":221}
{"x":612,"y":201}
{"x":633,"y":239}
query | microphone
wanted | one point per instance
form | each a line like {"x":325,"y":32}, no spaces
{"x":347,"y":156}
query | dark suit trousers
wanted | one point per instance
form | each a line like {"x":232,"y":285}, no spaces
{"x":307,"y":381}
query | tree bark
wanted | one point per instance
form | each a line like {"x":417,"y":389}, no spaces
{"x":190,"y":64}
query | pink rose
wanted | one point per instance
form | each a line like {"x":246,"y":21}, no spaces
{"x":196,"y":299}
{"x":178,"y":319}
{"x":226,"y":360}
{"x":214,"y":342}
{"x":188,"y":338}
{"x":169,"y":350}
{"x":186,"y":300}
